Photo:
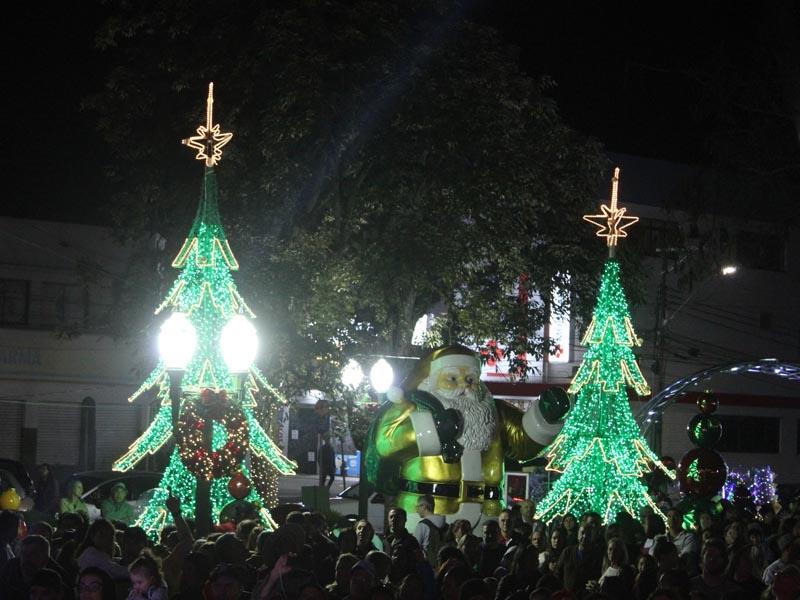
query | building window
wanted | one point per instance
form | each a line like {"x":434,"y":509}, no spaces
{"x":14,"y":297}
{"x":765,"y":251}
{"x":63,"y":304}
{"x":749,"y":434}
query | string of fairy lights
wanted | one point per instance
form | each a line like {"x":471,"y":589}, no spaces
{"x":600,"y":452}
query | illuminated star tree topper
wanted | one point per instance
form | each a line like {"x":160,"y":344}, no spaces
{"x":612,"y":221}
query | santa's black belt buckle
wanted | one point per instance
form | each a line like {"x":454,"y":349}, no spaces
{"x":448,"y":490}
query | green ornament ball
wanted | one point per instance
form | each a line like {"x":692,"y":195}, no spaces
{"x":707,"y":403}
{"x":704,"y":430}
{"x":554,"y":404}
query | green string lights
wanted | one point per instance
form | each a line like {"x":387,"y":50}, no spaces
{"x":600,"y":452}
{"x":206,"y":293}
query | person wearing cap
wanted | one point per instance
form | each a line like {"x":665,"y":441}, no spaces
{"x":362,"y":581}
{"x":116,"y":507}
{"x":445,"y":435}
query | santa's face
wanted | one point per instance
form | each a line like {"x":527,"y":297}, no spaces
{"x":457,"y":383}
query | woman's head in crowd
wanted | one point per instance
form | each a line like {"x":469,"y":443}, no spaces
{"x":95,"y":584}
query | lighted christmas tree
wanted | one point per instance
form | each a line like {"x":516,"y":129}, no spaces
{"x":204,"y":299}
{"x":600,"y":451}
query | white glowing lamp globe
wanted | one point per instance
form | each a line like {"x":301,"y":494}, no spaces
{"x":239,"y":343}
{"x":352,"y":374}
{"x":177,"y":341}
{"x":381,"y":376}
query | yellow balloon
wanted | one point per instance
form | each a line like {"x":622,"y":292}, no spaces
{"x":9,"y":500}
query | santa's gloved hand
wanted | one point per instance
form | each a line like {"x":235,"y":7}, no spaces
{"x":554,"y":404}
{"x":452,"y":451}
{"x":449,"y":424}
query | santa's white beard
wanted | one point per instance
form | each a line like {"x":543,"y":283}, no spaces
{"x":479,"y":414}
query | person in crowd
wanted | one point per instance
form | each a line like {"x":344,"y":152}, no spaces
{"x":786,"y":585}
{"x":570,"y":525}
{"x":453,"y":579}
{"x":428,"y":531}
{"x":712,"y":580}
{"x":47,"y":492}
{"x":505,"y":522}
{"x":323,"y":548}
{"x":475,"y":589}
{"x":326,"y":458}
{"x":364,"y":534}
{"x":492,"y":549}
{"x":194,"y":574}
{"x":665,"y":554}
{"x":17,"y":574}
{"x":618,"y":576}
{"x":340,"y":588}
{"x":9,"y":529}
{"x":523,"y":573}
{"x":471,"y":549}
{"x":225,"y":583}
{"x":685,"y":541}
{"x":347,"y":540}
{"x":740,"y":571}
{"x":401,"y":545}
{"x":97,"y":550}
{"x":115,"y":508}
{"x":646,"y":577}
{"x":549,"y":558}
{"x":72,"y":501}
{"x":147,"y":582}
{"x":653,"y":526}
{"x":527,"y":511}
{"x":46,"y":584}
{"x":134,"y":540}
{"x":362,"y":581}
{"x":43,"y":529}
{"x":456,"y":532}
{"x":95,"y":584}
{"x":579,"y":563}
{"x":790,"y":554}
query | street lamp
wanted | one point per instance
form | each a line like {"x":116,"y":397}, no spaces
{"x":381,"y":376}
{"x":239,"y":342}
{"x":352,"y":374}
{"x":177,"y":342}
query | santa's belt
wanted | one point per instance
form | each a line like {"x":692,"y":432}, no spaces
{"x":451,"y":490}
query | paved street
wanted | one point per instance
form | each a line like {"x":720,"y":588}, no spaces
{"x":289,"y":487}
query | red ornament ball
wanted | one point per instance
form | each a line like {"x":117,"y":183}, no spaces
{"x":707,"y":403}
{"x":239,"y":486}
{"x":702,"y":472}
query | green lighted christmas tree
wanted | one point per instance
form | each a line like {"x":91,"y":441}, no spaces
{"x":206,"y":294}
{"x":600,"y":451}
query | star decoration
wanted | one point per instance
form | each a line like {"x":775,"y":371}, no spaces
{"x":612,"y":220}
{"x":209,"y":140}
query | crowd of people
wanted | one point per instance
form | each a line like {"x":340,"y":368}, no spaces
{"x":736,"y":554}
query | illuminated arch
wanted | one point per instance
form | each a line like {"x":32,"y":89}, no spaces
{"x":651,"y":412}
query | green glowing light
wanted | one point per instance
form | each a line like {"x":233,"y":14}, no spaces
{"x":600,"y":451}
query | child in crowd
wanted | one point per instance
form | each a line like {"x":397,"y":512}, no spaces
{"x":146,"y":579}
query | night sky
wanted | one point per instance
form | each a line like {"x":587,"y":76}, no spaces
{"x":625,"y":75}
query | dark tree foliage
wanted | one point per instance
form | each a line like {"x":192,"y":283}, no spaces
{"x":389,"y":159}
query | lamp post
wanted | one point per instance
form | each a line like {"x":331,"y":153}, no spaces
{"x":352,"y":377}
{"x":381,"y":377}
{"x":177,"y":342}
{"x":662,"y":321}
